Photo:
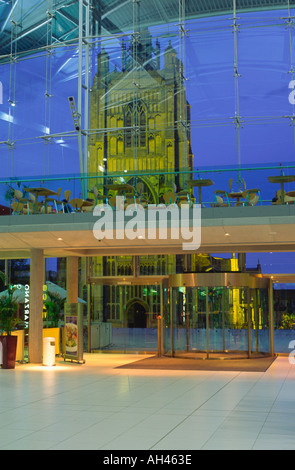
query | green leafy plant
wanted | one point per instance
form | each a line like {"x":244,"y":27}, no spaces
{"x":288,"y":322}
{"x":53,"y":306}
{"x":9,"y":193}
{"x":8,"y":311}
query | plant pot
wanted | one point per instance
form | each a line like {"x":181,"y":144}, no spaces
{"x":9,"y":344}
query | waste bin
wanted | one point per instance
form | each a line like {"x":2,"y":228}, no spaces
{"x":49,"y":351}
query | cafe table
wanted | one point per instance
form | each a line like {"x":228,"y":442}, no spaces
{"x":87,"y":204}
{"x":291,"y":194}
{"x":238,"y":195}
{"x":281,"y":179}
{"x":119,"y":187}
{"x":200,"y":183}
{"x":45,"y":192}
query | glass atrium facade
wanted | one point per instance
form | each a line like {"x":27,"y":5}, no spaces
{"x":144,"y":99}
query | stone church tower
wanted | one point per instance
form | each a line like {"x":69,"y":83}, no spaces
{"x":139,"y":134}
{"x":140,"y":119}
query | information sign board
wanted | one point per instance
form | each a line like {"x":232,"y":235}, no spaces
{"x":73,"y":332}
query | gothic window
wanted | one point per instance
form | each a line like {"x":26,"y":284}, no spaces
{"x":151,"y":144}
{"x":120,"y":145}
{"x":113,"y":145}
{"x":113,"y":122}
{"x":135,"y":125}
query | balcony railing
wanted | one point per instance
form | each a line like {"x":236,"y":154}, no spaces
{"x":209,"y":187}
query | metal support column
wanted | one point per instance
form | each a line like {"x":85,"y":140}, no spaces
{"x":83,"y":48}
{"x":160,"y":324}
{"x":171,"y":322}
{"x":249,"y":320}
{"x":271,"y":319}
{"x":207,"y":322}
{"x":238,"y":121}
{"x":222,"y":319}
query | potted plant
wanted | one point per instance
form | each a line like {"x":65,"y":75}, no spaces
{"x":53,"y":307}
{"x":8,"y":321}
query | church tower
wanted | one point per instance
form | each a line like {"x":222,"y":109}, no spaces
{"x":139,"y":119}
{"x":140,"y":135}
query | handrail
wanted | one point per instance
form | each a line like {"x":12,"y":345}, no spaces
{"x":129,"y":175}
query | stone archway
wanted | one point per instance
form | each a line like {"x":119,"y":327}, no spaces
{"x":136,"y":313}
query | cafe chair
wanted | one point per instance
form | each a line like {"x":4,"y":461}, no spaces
{"x":16,"y":207}
{"x":169,"y":197}
{"x":96,"y":193}
{"x":18,"y":197}
{"x":28,"y":208}
{"x":112,"y":202}
{"x":221,"y":199}
{"x":139,"y":193}
{"x":139,"y":188}
{"x":76,"y":204}
{"x":88,"y":208}
{"x":183,"y":198}
{"x":287,"y":199}
{"x":230,"y":183}
{"x":67,"y":195}
{"x":43,"y":211}
{"x":18,"y":194}
{"x":56,"y":200}
{"x":130,"y":199}
{"x":58,"y":193}
{"x":251,"y":197}
{"x":32,"y":197}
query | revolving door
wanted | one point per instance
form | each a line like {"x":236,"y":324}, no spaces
{"x":216,"y":316}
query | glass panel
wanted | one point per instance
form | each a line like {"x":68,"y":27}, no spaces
{"x":124,"y":318}
{"x":236,"y":319}
{"x":166,"y":330}
{"x":197,"y":310}
{"x":215,"y":319}
{"x":260,"y":340}
{"x":178,"y":319}
{"x":284,"y":317}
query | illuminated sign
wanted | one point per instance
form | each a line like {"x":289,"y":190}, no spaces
{"x":27,"y":304}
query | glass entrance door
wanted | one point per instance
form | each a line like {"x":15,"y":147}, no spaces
{"x":215,"y":321}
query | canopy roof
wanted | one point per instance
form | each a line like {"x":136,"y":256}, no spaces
{"x":29,"y":25}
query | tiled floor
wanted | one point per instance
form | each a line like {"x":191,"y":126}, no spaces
{"x":96,"y":406}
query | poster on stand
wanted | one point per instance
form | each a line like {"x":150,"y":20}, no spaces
{"x":73,"y":332}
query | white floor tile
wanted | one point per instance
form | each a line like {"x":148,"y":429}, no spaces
{"x":98,"y":406}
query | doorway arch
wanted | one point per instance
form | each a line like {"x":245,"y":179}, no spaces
{"x":136,"y":313}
